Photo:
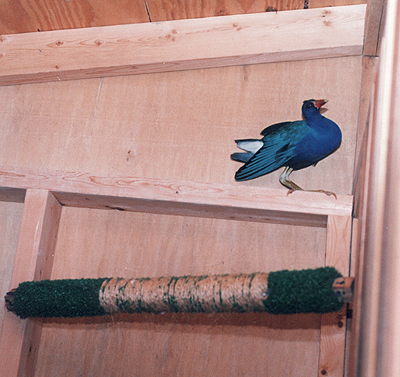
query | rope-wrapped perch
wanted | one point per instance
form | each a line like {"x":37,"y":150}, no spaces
{"x":281,"y":292}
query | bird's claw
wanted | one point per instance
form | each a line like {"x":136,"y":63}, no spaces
{"x":291,"y":191}
{"x":328,"y":193}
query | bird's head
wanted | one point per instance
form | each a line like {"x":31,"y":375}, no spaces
{"x":312,"y":106}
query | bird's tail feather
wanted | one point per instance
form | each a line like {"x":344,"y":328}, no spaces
{"x":249,"y":145}
{"x":242,"y":157}
{"x":258,"y":166}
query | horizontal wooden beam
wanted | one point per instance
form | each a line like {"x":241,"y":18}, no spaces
{"x":181,"y":45}
{"x":237,"y":202}
{"x":11,"y":194}
{"x":191,"y":209}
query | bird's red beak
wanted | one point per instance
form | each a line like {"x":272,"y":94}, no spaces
{"x":320,"y":102}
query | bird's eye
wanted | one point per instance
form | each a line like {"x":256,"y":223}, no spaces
{"x":309,"y":105}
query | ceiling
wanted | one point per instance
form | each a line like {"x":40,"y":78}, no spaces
{"x":22,"y":16}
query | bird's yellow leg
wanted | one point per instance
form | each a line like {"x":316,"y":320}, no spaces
{"x":285,"y":181}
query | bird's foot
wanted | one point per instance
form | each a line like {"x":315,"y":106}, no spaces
{"x":329,"y":193}
{"x":285,"y":181}
{"x":291,"y":191}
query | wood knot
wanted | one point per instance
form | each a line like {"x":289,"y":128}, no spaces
{"x":129,"y":155}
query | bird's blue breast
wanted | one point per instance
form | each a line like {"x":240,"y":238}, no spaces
{"x":319,"y":142}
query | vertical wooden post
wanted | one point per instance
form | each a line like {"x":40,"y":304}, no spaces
{"x":380,"y":306}
{"x":333,"y":325}
{"x":362,"y":201}
{"x":378,"y":343}
{"x":33,"y":261}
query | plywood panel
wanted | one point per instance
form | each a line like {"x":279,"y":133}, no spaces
{"x":160,"y":10}
{"x":178,"y":125}
{"x":46,"y":121}
{"x":23,"y":16}
{"x":149,"y":348}
{"x":333,"y":3}
{"x":155,"y":245}
{"x":130,"y":244}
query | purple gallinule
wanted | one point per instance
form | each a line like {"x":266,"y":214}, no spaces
{"x":293,"y":145}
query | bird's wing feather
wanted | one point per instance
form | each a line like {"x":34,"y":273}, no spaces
{"x":275,"y":127}
{"x":278,"y":148}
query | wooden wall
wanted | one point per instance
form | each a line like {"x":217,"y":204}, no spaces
{"x":179,"y":125}
{"x":176,"y":126}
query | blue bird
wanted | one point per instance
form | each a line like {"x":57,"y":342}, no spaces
{"x":293,"y":145}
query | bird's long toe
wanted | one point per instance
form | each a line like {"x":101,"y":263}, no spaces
{"x":329,"y":193}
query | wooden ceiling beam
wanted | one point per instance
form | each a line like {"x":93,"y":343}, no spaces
{"x":181,"y":45}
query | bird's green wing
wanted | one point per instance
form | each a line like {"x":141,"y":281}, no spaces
{"x":279,"y":141}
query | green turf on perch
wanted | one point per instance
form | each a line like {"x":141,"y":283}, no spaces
{"x":281,"y":292}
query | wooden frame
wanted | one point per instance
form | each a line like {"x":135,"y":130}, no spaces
{"x":46,"y":193}
{"x":33,"y":261}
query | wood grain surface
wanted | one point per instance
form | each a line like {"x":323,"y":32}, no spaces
{"x":181,"y":45}
{"x":33,"y":261}
{"x":181,"y":127}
